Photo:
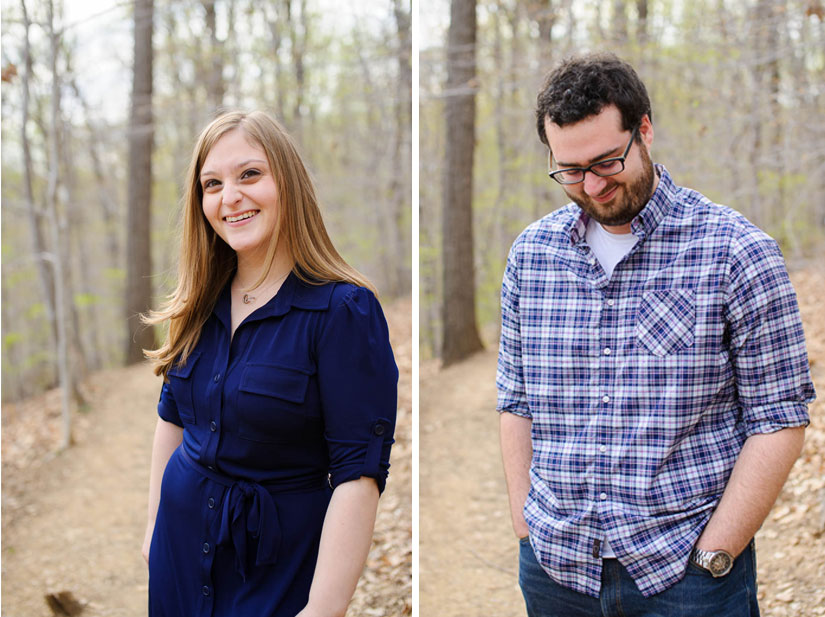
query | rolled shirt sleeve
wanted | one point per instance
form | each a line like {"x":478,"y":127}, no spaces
{"x":167,"y":408}
{"x":509,"y":376}
{"x":767,"y":342}
{"x":357,"y":378}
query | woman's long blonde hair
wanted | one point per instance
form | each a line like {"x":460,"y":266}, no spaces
{"x":207,"y":263}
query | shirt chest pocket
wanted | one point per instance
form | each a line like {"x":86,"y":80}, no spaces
{"x":273,"y":405}
{"x":666,"y":321}
{"x":180,"y":381}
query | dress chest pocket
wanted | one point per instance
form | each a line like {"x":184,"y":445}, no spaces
{"x":666,"y":321}
{"x":180,"y":380}
{"x":273,"y":406}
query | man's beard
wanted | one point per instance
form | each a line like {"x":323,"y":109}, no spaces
{"x":636,"y":195}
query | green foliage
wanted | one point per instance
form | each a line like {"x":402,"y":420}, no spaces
{"x":115,"y":274}
{"x":83,"y":300}
{"x":12,"y":338}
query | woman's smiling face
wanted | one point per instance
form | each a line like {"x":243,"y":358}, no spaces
{"x":240,"y":197}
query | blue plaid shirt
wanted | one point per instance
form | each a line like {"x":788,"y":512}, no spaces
{"x":643,"y":388}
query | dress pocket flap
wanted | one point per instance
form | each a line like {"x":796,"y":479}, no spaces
{"x":186,"y":370}
{"x":276,"y":381}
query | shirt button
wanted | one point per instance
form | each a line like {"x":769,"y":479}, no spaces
{"x":217,"y":378}
{"x":607,"y":351}
{"x":211,"y":503}
{"x":205,"y":590}
{"x":606,"y":398}
{"x":603,"y":496}
{"x":213,"y":426}
{"x":210,"y":468}
{"x":611,"y":302}
{"x":206,"y":547}
{"x":602,"y":449}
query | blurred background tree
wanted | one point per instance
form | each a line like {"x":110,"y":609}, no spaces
{"x":738,"y":94}
{"x":337,"y":75}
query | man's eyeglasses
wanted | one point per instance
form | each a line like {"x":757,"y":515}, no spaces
{"x":606,"y":167}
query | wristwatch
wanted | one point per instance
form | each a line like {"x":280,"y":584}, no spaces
{"x":718,"y":563}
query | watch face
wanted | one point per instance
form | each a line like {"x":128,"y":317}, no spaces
{"x":720,"y":563}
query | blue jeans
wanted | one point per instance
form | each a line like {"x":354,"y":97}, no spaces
{"x":696,"y":595}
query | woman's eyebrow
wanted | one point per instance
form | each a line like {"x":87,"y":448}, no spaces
{"x":209,"y":172}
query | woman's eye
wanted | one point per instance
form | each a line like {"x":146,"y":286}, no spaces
{"x":210,"y":184}
{"x":250,"y":173}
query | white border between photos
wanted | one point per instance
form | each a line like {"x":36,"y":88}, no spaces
{"x":415,"y":304}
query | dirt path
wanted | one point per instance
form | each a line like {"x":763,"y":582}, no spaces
{"x":75,"y":521}
{"x":468,"y":563}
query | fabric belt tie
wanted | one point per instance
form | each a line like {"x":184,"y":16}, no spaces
{"x":248,"y":510}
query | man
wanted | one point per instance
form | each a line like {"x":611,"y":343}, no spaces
{"x":653,"y":379}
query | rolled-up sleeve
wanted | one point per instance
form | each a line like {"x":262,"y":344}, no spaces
{"x":167,"y":408}
{"x":766,"y":338}
{"x":509,"y":376}
{"x":358,"y":380}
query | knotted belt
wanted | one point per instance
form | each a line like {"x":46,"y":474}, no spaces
{"x":249,"y":510}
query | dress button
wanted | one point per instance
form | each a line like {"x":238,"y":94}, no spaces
{"x":606,"y":398}
{"x":213,"y":426}
{"x":210,"y":468}
{"x":205,"y":590}
{"x":611,"y":302}
{"x":607,"y":351}
{"x":211,"y":503}
{"x":379,"y":429}
{"x":206,"y":547}
{"x":602,"y":448}
{"x":217,"y":378}
{"x":603,"y":496}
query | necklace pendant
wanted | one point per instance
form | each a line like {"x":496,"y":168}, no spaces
{"x":247,"y":299}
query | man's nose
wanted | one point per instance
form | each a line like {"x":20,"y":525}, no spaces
{"x":593,"y":184}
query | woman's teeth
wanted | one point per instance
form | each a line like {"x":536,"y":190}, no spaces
{"x":240,"y":217}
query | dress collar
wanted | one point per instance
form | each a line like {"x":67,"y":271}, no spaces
{"x":294,"y":292}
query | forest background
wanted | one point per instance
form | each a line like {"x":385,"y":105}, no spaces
{"x":337,"y":75}
{"x":737,"y":93}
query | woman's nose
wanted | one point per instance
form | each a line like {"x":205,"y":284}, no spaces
{"x":230,"y":194}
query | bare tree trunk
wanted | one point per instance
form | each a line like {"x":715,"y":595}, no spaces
{"x":545,"y":14}
{"x":460,"y":335}
{"x":641,"y":24}
{"x":399,"y":185}
{"x":276,"y":30}
{"x":58,"y":225}
{"x":85,"y":348}
{"x":138,"y":250}
{"x":214,"y":68}
{"x":619,"y":29}
{"x":299,"y":35}
{"x":34,"y":212}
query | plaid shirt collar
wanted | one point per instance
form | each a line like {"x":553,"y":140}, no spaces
{"x":643,"y":223}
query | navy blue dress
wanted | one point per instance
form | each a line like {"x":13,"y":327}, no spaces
{"x":302,"y":399}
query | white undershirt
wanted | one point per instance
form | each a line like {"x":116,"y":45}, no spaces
{"x":609,"y":248}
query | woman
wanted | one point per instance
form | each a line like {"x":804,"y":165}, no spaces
{"x":278,"y":407}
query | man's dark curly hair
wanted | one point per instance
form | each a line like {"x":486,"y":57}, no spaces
{"x":582,"y":86}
